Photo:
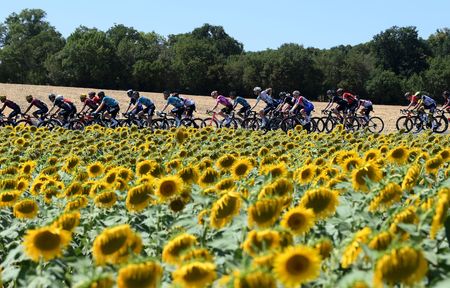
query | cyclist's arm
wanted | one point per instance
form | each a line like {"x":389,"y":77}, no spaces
{"x":165,"y":107}
{"x":328,"y":105}
{"x":3,"y":108}
{"x":99,"y":108}
{"x":28,"y":109}
{"x":256,"y":104}
{"x":217,"y":104}
{"x":129,"y":106}
{"x":82,"y":109}
{"x":294,"y":107}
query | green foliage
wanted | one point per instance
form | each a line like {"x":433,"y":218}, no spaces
{"x":206,"y":59}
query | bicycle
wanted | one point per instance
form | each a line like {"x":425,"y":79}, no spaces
{"x":50,"y":123}
{"x":251,"y":121}
{"x":422,"y":121}
{"x":403,"y":122}
{"x":211,"y":121}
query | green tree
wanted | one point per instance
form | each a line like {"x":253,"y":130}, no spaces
{"x":399,"y":49}
{"x":437,"y":78}
{"x":440,"y":42}
{"x":26,"y":41}
{"x":88,"y":60}
{"x":385,"y":87}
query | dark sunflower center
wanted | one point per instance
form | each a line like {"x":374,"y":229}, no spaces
{"x":47,"y":241}
{"x":297,"y":264}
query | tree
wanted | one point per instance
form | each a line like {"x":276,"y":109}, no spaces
{"x":399,"y":49}
{"x":87,"y":60}
{"x":437,"y":78}
{"x":440,"y":42}
{"x":385,"y":87}
{"x":26,"y":41}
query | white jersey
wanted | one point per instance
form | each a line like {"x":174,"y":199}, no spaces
{"x":265,"y":97}
{"x":188,"y":102}
{"x":365,"y":103}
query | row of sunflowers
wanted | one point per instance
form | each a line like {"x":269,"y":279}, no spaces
{"x":223,"y":208}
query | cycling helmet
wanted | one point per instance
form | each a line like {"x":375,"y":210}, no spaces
{"x":232,"y":94}
{"x":330,"y":92}
{"x":214,"y":93}
{"x":296,"y":93}
{"x":101,"y":94}
{"x":417,"y":93}
{"x":407,"y":94}
{"x":257,"y":89}
{"x":445,"y":93}
{"x":83,"y":97}
{"x":340,"y":90}
{"x":29,"y":98}
{"x":282,"y":95}
{"x":51,"y":97}
{"x":135,"y":94}
{"x":130,"y":92}
{"x":92,"y":93}
{"x":2,"y":98}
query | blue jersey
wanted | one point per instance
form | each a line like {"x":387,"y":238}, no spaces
{"x":109,"y":102}
{"x":241,"y":101}
{"x":175,"y":102}
{"x":145,"y":101}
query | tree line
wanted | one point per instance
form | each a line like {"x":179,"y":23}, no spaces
{"x":394,"y":61}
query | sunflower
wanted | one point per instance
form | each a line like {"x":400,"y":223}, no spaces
{"x":174,"y":249}
{"x":111,"y":244}
{"x":281,"y":187}
{"x":67,"y":221}
{"x":298,"y":220}
{"x":8,"y":184}
{"x":261,"y":241}
{"x":324,"y":248}
{"x":27,"y":167}
{"x":256,"y":279}
{"x":75,"y":188}
{"x":110,"y":177}
{"x":432,"y":165}
{"x":105,"y":199}
{"x":9,"y":198}
{"x":406,"y":216}
{"x":372,"y":154}
{"x":274,"y":170}
{"x":71,"y":163}
{"x":143,"y":275}
{"x":189,"y":174}
{"x":224,"y":209}
{"x":352,"y":251}
{"x":176,"y":204}
{"x":139,"y":197}
{"x":195,"y":275}
{"x":369,"y":171}
{"x":199,"y":254}
{"x":351,"y":163}
{"x":381,"y":241}
{"x":168,"y":186}
{"x":225,"y":184}
{"x":225,"y":162}
{"x":440,"y":214}
{"x":305,"y":174}
{"x":297,"y":265}
{"x":322,"y":201}
{"x":125,"y":173}
{"x":208,"y":177}
{"x":265,"y":212}
{"x":398,"y":155}
{"x":76,"y":204}
{"x":411,"y":177}
{"x":95,"y":169}
{"x":405,"y":265}
{"x":144,"y":167}
{"x":241,"y":168}
{"x":391,"y":194}
{"x":103,"y":281}
{"x":25,"y":209}
{"x":45,"y":242}
{"x":445,"y":154}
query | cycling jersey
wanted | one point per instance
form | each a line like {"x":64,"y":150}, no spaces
{"x":188,"y":102}
{"x":415,"y":99}
{"x":96,"y":100}
{"x":11,"y":105}
{"x":428,"y":101}
{"x":241,"y":101}
{"x":350,"y":98}
{"x":145,"y":101}
{"x":224,"y":101}
{"x":365,"y":103}
{"x":38,"y":103}
{"x":109,"y":102}
{"x":303,"y":102}
{"x":91,"y":104}
{"x":289,"y":100}
{"x":175,"y":102}
{"x":265,"y":97}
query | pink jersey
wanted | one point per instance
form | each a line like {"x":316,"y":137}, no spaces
{"x":223,"y":100}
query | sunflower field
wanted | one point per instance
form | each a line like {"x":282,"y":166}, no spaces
{"x":223,"y":208}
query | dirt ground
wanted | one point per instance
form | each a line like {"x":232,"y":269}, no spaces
{"x":17,"y":93}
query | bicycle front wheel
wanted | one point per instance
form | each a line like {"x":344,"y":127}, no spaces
{"x":209,"y":122}
{"x":440,"y":124}
{"x":375,"y":124}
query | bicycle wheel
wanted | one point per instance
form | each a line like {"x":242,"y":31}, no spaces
{"x":375,"y":124}
{"x":24,"y":122}
{"x":414,"y":124}
{"x":289,"y":123}
{"x":251,"y":124}
{"x":232,"y":124}
{"x":160,"y":124}
{"x":197,"y":122}
{"x":401,"y":124}
{"x":186,"y":122}
{"x":352,"y":124}
{"x":209,"y":122}
{"x":274,"y":123}
{"x":439,"y":124}
{"x":76,"y":125}
{"x":329,"y":124}
{"x":319,"y":124}
{"x":50,"y":124}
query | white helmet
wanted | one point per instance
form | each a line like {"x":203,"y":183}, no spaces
{"x":257,"y":89}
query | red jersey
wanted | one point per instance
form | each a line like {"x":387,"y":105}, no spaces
{"x":350,"y":98}
{"x":97,"y":100}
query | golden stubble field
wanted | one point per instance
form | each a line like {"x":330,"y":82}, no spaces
{"x":17,"y":93}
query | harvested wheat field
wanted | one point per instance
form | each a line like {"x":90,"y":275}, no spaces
{"x":17,"y":93}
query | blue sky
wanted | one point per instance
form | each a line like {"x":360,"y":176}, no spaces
{"x":257,"y":24}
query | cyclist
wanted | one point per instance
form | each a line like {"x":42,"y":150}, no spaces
{"x":144,"y":106}
{"x":189,"y":106}
{"x":88,"y":103}
{"x":11,"y":105}
{"x":352,"y":100}
{"x":228,"y":106}
{"x":65,"y":107}
{"x":110,"y":105}
{"x":177,"y":103}
{"x":92,"y":95}
{"x":446,"y":105}
{"x":264,"y":95}
{"x":367,"y":107}
{"x":341,"y":104}
{"x":287,"y":103}
{"x":238,"y":100}
{"x":305,"y":106}
{"x":413,"y":100}
{"x":42,"y":107}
